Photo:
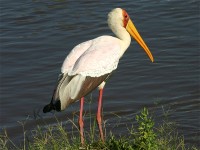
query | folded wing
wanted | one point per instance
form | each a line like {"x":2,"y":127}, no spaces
{"x":85,"y":68}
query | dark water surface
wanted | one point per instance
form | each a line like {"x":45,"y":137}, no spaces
{"x":36,"y":36}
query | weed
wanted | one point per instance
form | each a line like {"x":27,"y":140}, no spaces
{"x":142,"y":137}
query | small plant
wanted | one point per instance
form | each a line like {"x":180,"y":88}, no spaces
{"x":120,"y":144}
{"x":146,"y":137}
{"x":141,"y":138}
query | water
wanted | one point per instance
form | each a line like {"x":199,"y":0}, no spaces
{"x":36,"y":36}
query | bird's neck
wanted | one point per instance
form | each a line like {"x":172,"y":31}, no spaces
{"x":123,"y":36}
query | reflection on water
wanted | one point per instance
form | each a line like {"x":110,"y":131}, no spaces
{"x":36,"y":36}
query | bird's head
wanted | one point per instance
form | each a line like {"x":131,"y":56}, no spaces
{"x":119,"y":17}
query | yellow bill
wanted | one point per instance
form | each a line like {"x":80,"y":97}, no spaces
{"x":134,"y":33}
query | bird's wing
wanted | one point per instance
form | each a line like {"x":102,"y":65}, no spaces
{"x":100,"y":58}
{"x":71,"y":88}
{"x":75,"y":53}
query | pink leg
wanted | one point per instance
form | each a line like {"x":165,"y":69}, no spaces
{"x":99,"y":111}
{"x":81,"y":121}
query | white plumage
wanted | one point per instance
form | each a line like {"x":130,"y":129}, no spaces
{"x":90,"y":63}
{"x":93,"y":58}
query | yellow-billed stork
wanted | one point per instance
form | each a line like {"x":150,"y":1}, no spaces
{"x":90,"y":63}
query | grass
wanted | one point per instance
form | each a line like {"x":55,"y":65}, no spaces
{"x":143,"y":136}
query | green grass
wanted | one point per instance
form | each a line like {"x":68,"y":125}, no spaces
{"x":143,"y":136}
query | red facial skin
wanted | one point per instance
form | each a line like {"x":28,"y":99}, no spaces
{"x":126,"y":17}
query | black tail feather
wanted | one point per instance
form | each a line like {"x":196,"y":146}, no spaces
{"x":55,"y":102}
{"x":48,"y":108}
